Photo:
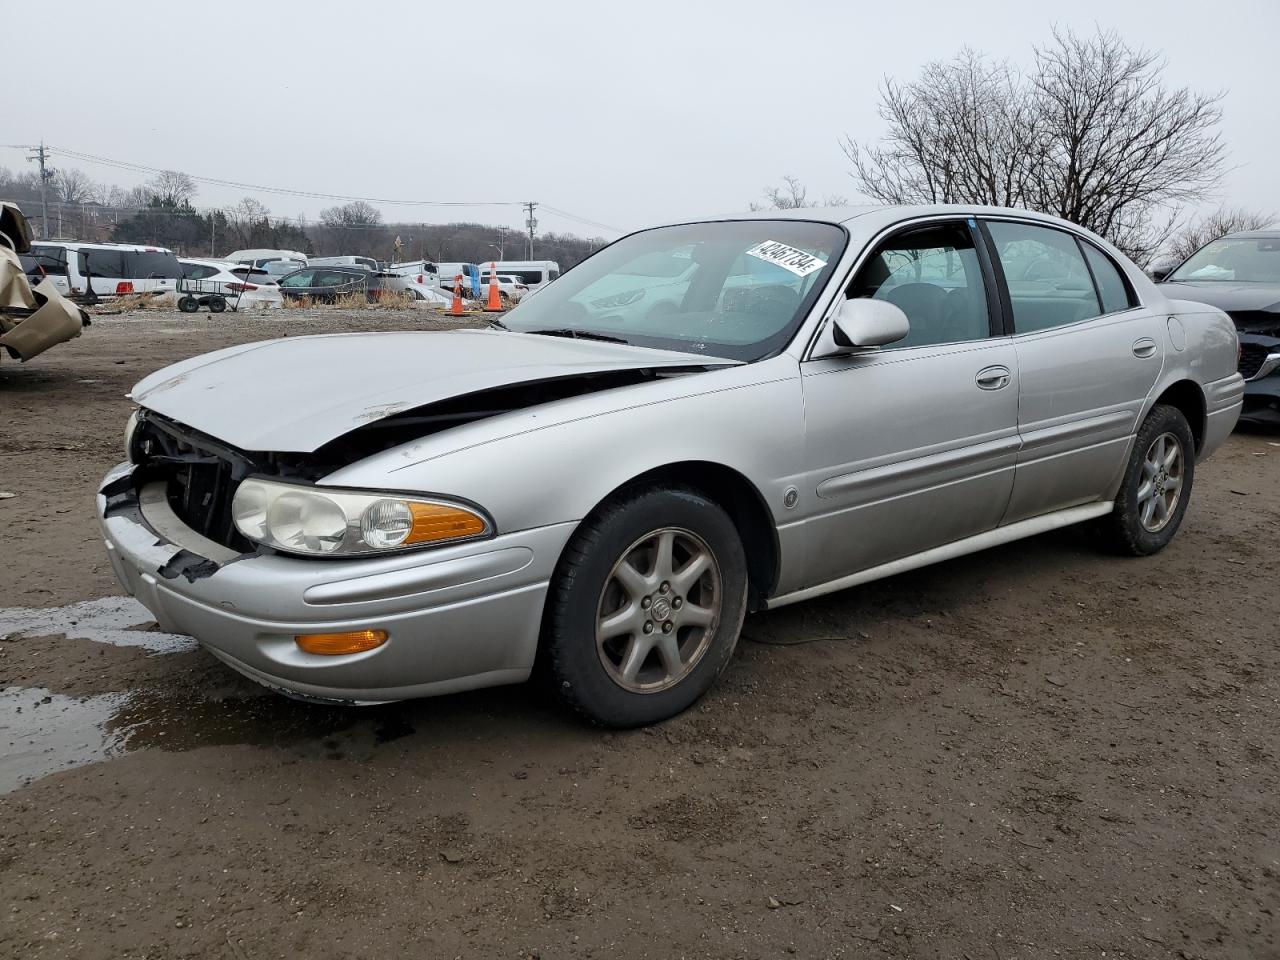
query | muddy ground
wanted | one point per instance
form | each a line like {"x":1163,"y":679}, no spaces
{"x":1038,"y":751}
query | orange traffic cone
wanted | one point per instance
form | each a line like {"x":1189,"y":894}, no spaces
{"x":456,"y":308}
{"x":495,"y":299}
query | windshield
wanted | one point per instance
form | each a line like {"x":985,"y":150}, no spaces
{"x":735,"y":289}
{"x":1233,"y":259}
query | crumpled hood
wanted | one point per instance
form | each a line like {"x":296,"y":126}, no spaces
{"x":1226,"y":295}
{"x":296,"y":394}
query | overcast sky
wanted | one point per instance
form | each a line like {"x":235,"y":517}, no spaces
{"x":623,"y":113}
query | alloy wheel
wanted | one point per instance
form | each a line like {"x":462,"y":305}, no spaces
{"x":1161,"y":487}
{"x":659,"y":610}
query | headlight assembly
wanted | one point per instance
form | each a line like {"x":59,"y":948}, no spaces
{"x":623,"y":299}
{"x":317,"y":521}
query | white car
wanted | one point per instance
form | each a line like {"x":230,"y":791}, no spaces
{"x":240,"y":285}
{"x":426,"y":292}
{"x":511,"y":289}
{"x":87,"y":270}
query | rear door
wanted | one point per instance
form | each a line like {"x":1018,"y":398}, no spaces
{"x":1088,"y":355}
{"x":333,"y":282}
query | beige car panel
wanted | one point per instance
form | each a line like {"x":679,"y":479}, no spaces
{"x":32,"y":319}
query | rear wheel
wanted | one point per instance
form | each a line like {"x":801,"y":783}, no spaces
{"x":646,"y":607}
{"x":1157,"y":486}
{"x":188,"y":305}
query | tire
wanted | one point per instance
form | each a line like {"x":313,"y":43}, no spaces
{"x":1144,"y":521}
{"x":217,"y":304}
{"x":188,"y":304}
{"x":697,"y":622}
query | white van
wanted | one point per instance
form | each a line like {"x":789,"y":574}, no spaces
{"x":111,"y":269}
{"x":532,"y":273}
{"x":369,"y":262}
{"x":257,"y":257}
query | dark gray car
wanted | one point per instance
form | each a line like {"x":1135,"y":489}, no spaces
{"x":326,"y":284}
{"x":1240,"y":274}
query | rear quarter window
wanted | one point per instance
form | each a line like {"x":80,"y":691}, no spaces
{"x":149,"y":265}
{"x":107,"y":264}
{"x":1113,"y":289}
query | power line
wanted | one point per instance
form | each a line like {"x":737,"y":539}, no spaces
{"x":311,"y":194}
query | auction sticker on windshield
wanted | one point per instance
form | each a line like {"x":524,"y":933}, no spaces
{"x":789,"y":258}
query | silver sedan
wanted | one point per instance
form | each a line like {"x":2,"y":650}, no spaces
{"x":700,"y":420}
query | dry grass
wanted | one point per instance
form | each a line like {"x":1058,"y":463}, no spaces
{"x":134,"y":301}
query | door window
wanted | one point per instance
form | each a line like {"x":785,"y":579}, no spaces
{"x":934,"y":276}
{"x":1112,"y":288}
{"x":108,"y":264}
{"x":1049,"y":284}
{"x":198,"y":271}
{"x":297,"y":280}
{"x":336,"y":278}
{"x":151,"y":265}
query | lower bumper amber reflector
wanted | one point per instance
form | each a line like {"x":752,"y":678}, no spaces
{"x":334,"y":644}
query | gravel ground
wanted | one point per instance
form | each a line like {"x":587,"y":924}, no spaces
{"x":1038,"y":751}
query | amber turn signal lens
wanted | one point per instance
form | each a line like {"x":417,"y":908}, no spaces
{"x":335,"y":644}
{"x":438,"y":521}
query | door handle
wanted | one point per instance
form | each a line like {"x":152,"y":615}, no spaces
{"x":1144,"y":347}
{"x":994,"y":378}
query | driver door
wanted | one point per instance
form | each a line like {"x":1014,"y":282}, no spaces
{"x":913,"y":445}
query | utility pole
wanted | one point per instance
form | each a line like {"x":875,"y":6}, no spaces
{"x":531,"y":223}
{"x":46,"y":174}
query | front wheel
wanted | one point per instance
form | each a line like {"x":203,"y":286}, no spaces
{"x":645,"y":607}
{"x":217,"y":304}
{"x":1157,"y":486}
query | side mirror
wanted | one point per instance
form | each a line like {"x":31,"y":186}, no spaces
{"x":1158,"y":271}
{"x":862,"y":323}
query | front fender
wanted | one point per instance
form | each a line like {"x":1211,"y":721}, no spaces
{"x":544,"y":466}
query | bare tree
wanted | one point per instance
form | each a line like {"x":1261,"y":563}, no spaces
{"x":1222,"y":221}
{"x":961,"y":133}
{"x":73,"y":186}
{"x":793,"y":195}
{"x":353,"y":228}
{"x":357,"y":213}
{"x":1090,"y":134}
{"x":244,"y":220}
{"x":172,"y":187}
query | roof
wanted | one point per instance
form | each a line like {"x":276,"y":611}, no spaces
{"x":1267,"y":233}
{"x":892,"y":212}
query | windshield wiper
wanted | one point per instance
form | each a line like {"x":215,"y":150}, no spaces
{"x":497,"y":324}
{"x":575,"y":334}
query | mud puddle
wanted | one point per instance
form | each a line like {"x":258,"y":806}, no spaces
{"x":44,"y":732}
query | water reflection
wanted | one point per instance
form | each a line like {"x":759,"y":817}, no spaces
{"x":44,"y":732}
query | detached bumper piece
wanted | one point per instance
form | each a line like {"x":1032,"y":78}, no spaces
{"x":32,"y":319}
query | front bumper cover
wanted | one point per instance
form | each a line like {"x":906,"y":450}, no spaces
{"x":457,"y":617}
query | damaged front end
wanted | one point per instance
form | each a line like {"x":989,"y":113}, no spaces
{"x":1259,"y":335}
{"x":184,"y":481}
{"x":32,"y":319}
